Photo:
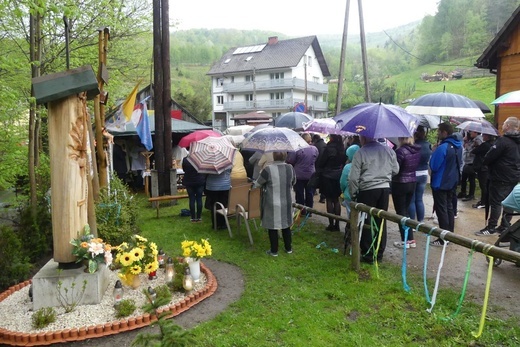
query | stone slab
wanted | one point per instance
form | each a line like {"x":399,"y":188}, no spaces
{"x":45,"y":285}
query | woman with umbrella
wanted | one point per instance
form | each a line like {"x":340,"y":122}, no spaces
{"x":194,"y":183}
{"x":330,"y":164}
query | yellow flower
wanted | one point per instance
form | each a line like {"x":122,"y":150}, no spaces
{"x":140,"y":238}
{"x":186,"y":252}
{"x":137,"y":253}
{"x":126,"y":259}
{"x":84,"y":245}
{"x":135,"y":270}
{"x":151,"y":267}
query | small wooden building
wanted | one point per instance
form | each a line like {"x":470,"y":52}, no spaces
{"x":502,"y":57}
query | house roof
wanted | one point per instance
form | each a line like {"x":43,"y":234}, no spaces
{"x":489,"y":58}
{"x":274,"y":55}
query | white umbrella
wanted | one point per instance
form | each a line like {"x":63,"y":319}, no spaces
{"x":274,"y":140}
{"x":445,"y":104}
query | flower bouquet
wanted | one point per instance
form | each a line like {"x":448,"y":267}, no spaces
{"x":196,"y":250}
{"x":136,"y":256}
{"x":91,"y":250}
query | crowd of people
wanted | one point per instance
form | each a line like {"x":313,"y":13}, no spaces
{"x":366,"y":170}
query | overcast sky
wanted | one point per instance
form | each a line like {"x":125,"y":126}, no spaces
{"x":297,"y":17}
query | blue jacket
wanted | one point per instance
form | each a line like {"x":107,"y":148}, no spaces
{"x":445,"y":164}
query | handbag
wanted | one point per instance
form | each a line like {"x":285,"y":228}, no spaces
{"x":314,"y":180}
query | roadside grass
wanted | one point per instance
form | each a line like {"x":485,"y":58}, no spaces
{"x":312,"y":298}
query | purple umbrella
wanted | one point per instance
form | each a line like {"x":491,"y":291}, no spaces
{"x":377,"y":120}
{"x":324,"y":126}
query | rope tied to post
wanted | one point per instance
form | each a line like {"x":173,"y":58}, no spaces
{"x":425,"y":267}
{"x":406,"y":229}
{"x":491,"y":259}
{"x":441,"y":263}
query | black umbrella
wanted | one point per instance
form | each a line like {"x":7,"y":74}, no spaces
{"x":483,"y":107}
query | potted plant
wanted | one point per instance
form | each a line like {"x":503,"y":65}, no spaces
{"x":134,"y":257}
{"x":193,"y":251}
{"x":91,"y":250}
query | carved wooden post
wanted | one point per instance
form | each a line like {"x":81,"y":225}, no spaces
{"x":67,"y":123}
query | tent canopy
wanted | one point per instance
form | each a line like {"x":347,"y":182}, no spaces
{"x":178,"y":126}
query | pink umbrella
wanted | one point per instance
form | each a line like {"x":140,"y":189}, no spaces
{"x":197,"y":135}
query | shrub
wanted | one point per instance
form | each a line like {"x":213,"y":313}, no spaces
{"x":116,"y":213}
{"x":13,"y":262}
{"x":36,"y":232}
{"x":125,"y":308}
{"x":43,"y":317}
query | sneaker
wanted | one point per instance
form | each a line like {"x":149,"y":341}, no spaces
{"x":478,"y":205}
{"x":271,"y":253}
{"x":409,"y":244}
{"x":468,"y":198}
{"x":500,"y":229}
{"x":438,"y":243}
{"x":288,"y":251}
{"x":486,"y":232}
{"x":455,"y":216}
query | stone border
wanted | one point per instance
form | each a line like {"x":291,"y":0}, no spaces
{"x":78,"y":334}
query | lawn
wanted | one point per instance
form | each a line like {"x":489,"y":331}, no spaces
{"x":312,"y":298}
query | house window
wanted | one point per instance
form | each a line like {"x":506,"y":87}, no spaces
{"x":250,"y":78}
{"x":220,"y":99}
{"x":277,"y":76}
{"x":249,"y":97}
{"x":309,"y":60}
{"x":232,"y":79}
{"x":316,"y":97}
{"x":220,"y":82}
{"x":316,"y":79}
{"x":277,"y":96}
{"x":232,"y":97}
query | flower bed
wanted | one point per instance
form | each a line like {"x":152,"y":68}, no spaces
{"x":19,"y":337}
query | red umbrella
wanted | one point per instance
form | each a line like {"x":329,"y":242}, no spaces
{"x":197,"y":135}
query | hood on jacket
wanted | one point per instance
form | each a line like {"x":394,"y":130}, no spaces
{"x":351,"y":151}
{"x":515,"y":136}
{"x":455,"y":139}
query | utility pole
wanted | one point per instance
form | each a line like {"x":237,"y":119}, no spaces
{"x":341,"y":74}
{"x":162,"y":95}
{"x":364,"y":51}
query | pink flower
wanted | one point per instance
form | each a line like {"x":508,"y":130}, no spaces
{"x":95,"y":248}
{"x":108,"y":258}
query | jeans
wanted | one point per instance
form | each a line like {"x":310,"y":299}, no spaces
{"x":416,"y":208}
{"x":468,"y":175}
{"x":483,"y":184}
{"x":402,"y":194}
{"x":498,"y":191}
{"x":304,"y":195}
{"x":443,"y":203}
{"x":377,"y":198}
{"x":195,"y":198}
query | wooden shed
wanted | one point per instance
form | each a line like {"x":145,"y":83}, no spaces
{"x":502,"y":57}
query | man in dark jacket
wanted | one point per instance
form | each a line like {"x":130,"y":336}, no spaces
{"x":503,"y":161}
{"x":481,"y":169}
{"x":445,"y":165}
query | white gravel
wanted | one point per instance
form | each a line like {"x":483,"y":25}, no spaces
{"x":16,"y":310}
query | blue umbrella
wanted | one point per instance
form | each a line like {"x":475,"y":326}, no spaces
{"x":377,"y":120}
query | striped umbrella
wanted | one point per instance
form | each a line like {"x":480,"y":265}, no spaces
{"x":212,"y":155}
{"x":508,"y":99}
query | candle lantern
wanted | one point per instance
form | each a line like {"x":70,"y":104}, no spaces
{"x":169,"y":270}
{"x":187,"y":283}
{"x":160,"y":258}
{"x":118,"y":293}
{"x":152,"y":294}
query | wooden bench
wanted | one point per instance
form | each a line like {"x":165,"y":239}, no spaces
{"x":158,"y":199}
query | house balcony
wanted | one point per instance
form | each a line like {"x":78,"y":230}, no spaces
{"x":275,"y":84}
{"x":271,"y":105}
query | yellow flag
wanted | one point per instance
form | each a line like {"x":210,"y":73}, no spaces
{"x":128,"y":105}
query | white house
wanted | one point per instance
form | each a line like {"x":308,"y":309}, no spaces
{"x":275,"y":77}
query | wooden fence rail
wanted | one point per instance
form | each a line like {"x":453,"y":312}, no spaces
{"x":426,"y":228}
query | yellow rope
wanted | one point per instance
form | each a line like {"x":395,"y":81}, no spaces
{"x":486,"y":294}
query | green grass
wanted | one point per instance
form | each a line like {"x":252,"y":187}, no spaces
{"x":410,"y":85}
{"x":312,"y":298}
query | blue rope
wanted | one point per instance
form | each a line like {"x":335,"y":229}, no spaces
{"x":406,"y":228}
